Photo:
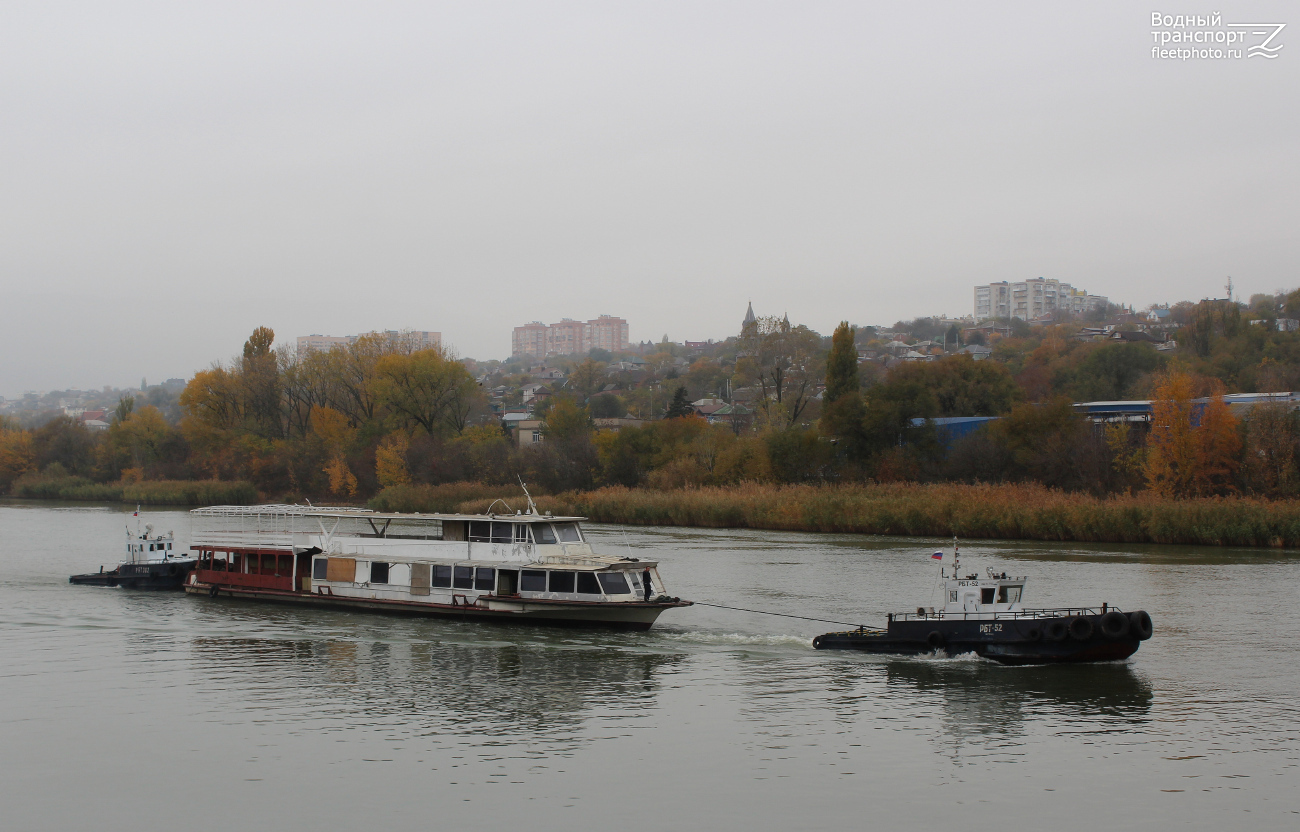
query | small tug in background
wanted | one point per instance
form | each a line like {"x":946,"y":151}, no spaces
{"x":151,"y":563}
{"x":983,"y":615}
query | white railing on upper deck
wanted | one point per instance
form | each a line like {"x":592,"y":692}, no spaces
{"x":272,"y":526}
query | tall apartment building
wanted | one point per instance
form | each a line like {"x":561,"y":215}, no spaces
{"x":1033,"y":298}
{"x":569,"y":337}
{"x":415,"y":339}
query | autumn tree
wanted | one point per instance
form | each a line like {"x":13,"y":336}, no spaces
{"x":841,"y":364}
{"x":17,"y":456}
{"x":842,"y":408}
{"x":425,"y":389}
{"x":390,"y":460}
{"x":1192,"y":448}
{"x":785,"y":362}
{"x":259,"y":378}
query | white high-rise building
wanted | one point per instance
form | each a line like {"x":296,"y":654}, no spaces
{"x":1031,"y":299}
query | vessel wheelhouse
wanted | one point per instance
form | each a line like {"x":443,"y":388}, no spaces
{"x":521,"y":567}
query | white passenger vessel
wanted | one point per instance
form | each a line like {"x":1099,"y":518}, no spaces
{"x":525,"y":566}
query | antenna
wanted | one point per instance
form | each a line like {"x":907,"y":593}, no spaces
{"x":532,"y":507}
{"x":956,"y":551}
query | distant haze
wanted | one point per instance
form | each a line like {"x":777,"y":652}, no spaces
{"x":176,"y":174}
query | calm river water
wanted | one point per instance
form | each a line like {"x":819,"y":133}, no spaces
{"x":134,"y":711}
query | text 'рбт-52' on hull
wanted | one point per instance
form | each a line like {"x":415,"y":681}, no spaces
{"x":522,"y":567}
{"x":983,"y":615}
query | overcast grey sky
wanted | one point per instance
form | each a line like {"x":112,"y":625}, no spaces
{"x":175,"y":174}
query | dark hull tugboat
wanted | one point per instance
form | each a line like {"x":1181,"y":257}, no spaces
{"x":151,"y":563}
{"x":983,"y":615}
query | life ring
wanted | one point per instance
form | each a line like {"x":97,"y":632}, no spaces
{"x":935,"y":639}
{"x":1056,"y":630}
{"x":1141,"y":624}
{"x":1081,"y":628}
{"x":1114,"y":624}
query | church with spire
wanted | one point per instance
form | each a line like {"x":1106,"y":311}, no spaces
{"x":749,"y":317}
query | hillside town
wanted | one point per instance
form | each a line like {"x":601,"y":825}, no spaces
{"x":920,"y":399}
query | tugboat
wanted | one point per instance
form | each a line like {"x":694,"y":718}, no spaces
{"x":983,"y":615}
{"x":150,"y":563}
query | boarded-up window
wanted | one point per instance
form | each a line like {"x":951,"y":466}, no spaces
{"x":421,"y":573}
{"x":341,"y":569}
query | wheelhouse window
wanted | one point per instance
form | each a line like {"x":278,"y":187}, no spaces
{"x":1009,"y":594}
{"x":587,"y":584}
{"x":568,"y":532}
{"x":521,"y":533}
{"x":441,"y":576}
{"x":532,"y":580}
{"x":543,"y":533}
{"x":463,"y":578}
{"x":319,"y":569}
{"x":485,"y":578}
{"x":986,"y":595}
{"x":490,"y":531}
{"x":562,"y":581}
{"x":378,"y":573}
{"x":614,"y":583}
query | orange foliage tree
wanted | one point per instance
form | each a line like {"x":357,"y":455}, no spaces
{"x":1184,"y":458}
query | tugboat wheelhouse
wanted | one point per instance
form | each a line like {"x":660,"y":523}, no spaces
{"x":519,"y":567}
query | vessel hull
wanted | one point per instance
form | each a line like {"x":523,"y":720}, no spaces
{"x":622,"y":616}
{"x":1018,"y":641}
{"x":169,"y":575}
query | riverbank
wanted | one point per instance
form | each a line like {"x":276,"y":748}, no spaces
{"x":152,"y":493}
{"x":1014,"y":512}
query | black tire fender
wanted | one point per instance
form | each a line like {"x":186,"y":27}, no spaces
{"x":1141,"y":624}
{"x":1081,"y":628}
{"x":935,"y":639}
{"x":1056,"y":630}
{"x":212,"y":593}
{"x":1032,"y":633}
{"x":1114,"y":624}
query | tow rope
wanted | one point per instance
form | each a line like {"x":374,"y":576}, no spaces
{"x":782,"y":614}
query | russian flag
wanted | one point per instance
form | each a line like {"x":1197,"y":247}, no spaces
{"x":937,"y":556}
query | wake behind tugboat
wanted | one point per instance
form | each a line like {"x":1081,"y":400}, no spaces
{"x":983,"y":615}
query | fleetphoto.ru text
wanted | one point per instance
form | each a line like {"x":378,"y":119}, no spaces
{"x":1188,"y":37}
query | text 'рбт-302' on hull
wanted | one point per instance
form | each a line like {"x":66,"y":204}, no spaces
{"x":521,"y":567}
{"x":151,"y":563}
{"x":983,"y":615}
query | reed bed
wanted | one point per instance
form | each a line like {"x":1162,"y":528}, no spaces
{"x":1028,"y":512}
{"x":156,"y":492}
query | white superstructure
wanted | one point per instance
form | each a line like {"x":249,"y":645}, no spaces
{"x":525,"y":565}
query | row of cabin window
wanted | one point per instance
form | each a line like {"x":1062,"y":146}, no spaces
{"x":140,"y":547}
{"x":495,"y":531}
{"x":484,"y":578}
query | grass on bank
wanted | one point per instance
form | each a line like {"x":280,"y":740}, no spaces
{"x":157,"y":492}
{"x":1029,"y":512}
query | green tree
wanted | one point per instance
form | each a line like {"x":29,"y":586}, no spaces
{"x":841,"y":364}
{"x":680,"y":405}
